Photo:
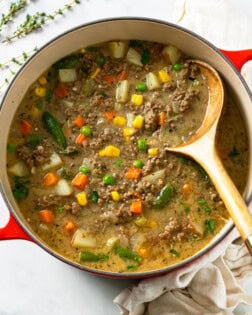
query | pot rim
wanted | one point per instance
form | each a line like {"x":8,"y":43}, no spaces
{"x":129,"y":275}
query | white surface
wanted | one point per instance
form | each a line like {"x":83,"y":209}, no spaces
{"x":32,"y":281}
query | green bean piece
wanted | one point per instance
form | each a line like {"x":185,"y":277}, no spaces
{"x":54,"y":128}
{"x":91,"y":257}
{"x":127,"y":253}
{"x":164,"y":196}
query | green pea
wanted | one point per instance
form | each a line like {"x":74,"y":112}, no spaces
{"x":86,"y":131}
{"x":138,"y":163}
{"x":108,"y":180}
{"x":61,"y":209}
{"x":141,"y":87}
{"x":142,"y":144}
{"x":177,"y":66}
{"x":84,"y":170}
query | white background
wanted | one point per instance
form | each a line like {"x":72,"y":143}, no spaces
{"x":31,"y":281}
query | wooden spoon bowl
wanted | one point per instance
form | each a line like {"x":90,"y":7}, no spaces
{"x":202,"y":148}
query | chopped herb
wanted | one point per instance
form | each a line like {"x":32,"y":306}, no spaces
{"x":61,"y":209}
{"x":67,"y":62}
{"x":186,"y":208}
{"x":135,"y":43}
{"x":100,"y":60}
{"x":210,"y":224}
{"x":32,"y":140}
{"x":145,"y":57}
{"x":91,"y":49}
{"x":119,"y":163}
{"x":207,"y":209}
{"x":131,"y":267}
{"x":202,"y":202}
{"x":181,"y":159}
{"x":21,"y":187}
{"x":11,"y":147}
{"x":174,"y":252}
{"x":66,"y":174}
{"x":39,"y":105}
{"x":234,"y":152}
{"x":48,"y":95}
{"x":94,"y":196}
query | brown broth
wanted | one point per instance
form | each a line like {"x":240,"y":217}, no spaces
{"x":159,"y":236}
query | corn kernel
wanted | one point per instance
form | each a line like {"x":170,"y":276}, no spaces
{"x":42,"y":80}
{"x":186,"y":189}
{"x":138,"y":122}
{"x":164,"y":76}
{"x":137,"y":99}
{"x":95,"y":73}
{"x":110,"y":151}
{"x":152,"y":224}
{"x":119,"y":121}
{"x":153,"y":151}
{"x":115,"y":195}
{"x":35,"y":111}
{"x":82,"y":198}
{"x":39,"y":91}
{"x":128,"y":131}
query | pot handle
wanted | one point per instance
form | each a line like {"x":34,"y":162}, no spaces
{"x":12,"y":230}
{"x":239,"y":57}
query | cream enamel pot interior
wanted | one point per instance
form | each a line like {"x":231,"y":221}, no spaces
{"x":101,"y":31}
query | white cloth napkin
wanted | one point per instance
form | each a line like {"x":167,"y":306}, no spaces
{"x":213,"y":283}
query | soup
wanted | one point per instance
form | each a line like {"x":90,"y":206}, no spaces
{"x":88,"y":164}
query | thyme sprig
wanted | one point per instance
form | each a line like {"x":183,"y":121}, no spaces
{"x":37,"y":20}
{"x":8,"y":66}
{"x":13,"y":9}
{"x":18,"y":60}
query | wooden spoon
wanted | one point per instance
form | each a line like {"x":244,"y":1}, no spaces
{"x":201,"y":147}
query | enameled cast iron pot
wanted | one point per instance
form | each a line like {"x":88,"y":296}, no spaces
{"x":101,"y":31}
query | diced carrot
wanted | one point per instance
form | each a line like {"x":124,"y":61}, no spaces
{"x":109,"y":79}
{"x":80,"y":181}
{"x":46,"y":216}
{"x":133,"y":173}
{"x":79,"y":121}
{"x":161,"y":118}
{"x":110,"y":115}
{"x":123,"y":75}
{"x":61,"y":91}
{"x":142,"y":252}
{"x":70,"y":226}
{"x":136,"y":207}
{"x":26,"y":128}
{"x":80,"y":139}
{"x":50,"y":179}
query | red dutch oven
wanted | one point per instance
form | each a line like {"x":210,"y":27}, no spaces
{"x":227,"y":63}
